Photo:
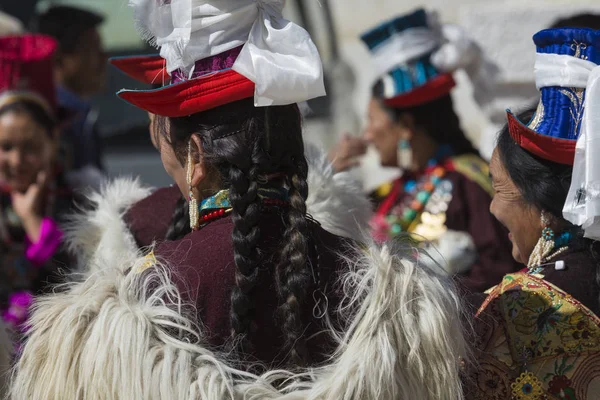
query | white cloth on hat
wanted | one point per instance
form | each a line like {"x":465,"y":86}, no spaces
{"x":403,"y":47}
{"x":582,"y":207}
{"x":562,"y":70}
{"x":278,"y":55}
{"x":451,"y":47}
{"x":9,"y":25}
{"x":460,"y":51}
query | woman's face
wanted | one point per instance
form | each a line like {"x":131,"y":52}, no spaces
{"x":522,"y":220}
{"x":383,"y":133}
{"x":167,"y":155}
{"x":26,"y":148}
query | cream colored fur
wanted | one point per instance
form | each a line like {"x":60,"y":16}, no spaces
{"x":120,"y":335}
{"x":98,"y":235}
{"x":335,"y":200}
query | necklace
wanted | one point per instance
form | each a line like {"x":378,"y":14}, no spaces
{"x":543,"y":251}
{"x":395,"y":217}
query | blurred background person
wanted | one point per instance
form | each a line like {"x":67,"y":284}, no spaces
{"x":33,"y":193}
{"x":80,"y":72}
{"x":444,"y":193}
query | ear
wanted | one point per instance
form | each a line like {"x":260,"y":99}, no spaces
{"x":199,"y":168}
{"x":407,"y":126}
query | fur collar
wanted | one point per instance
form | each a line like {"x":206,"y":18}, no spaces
{"x":335,"y":201}
{"x":119,"y":332}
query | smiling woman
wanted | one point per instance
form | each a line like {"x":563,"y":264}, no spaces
{"x":525,"y":186}
{"x":539,"y":329}
{"x":27,"y":142}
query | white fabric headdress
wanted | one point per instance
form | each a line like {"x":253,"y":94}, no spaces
{"x":9,"y":25}
{"x":583,"y":202}
{"x":452,"y":47}
{"x":278,"y":55}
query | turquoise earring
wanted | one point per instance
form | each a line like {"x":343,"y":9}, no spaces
{"x":404,"y":154}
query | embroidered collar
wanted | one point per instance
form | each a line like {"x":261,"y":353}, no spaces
{"x":221,"y":198}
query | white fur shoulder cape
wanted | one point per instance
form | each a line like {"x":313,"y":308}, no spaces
{"x":115,"y":334}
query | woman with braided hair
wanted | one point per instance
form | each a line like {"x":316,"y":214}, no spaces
{"x":261,"y":268}
{"x":247,"y":164}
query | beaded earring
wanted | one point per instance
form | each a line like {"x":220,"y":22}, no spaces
{"x":404,"y":154}
{"x":542,"y":251}
{"x":192,"y":202}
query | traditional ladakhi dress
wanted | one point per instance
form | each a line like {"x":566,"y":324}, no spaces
{"x":204,"y":271}
{"x":454,"y":195}
{"x":539,"y":329}
{"x":447,"y":202}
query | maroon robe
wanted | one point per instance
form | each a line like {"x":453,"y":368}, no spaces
{"x":469,"y":211}
{"x":203,"y":268}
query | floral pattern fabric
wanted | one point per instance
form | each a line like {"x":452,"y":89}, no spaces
{"x":535,"y":342}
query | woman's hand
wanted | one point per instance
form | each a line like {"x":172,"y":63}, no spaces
{"x":28,"y":206}
{"x":346,"y":153}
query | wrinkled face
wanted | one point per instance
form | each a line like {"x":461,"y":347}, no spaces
{"x":521,"y":219}
{"x":26,"y":148}
{"x":84,"y":70}
{"x":167,"y":155}
{"x":383,"y":133}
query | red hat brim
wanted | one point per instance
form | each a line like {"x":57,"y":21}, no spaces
{"x":435,"y":88}
{"x":146,"y":69}
{"x":560,"y":151}
{"x":192,"y":96}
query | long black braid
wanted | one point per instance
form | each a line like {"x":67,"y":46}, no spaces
{"x":243,"y":194}
{"x":293,"y":273}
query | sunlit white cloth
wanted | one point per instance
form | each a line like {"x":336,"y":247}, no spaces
{"x":278,"y":55}
{"x":583,"y":202}
{"x":451,"y":49}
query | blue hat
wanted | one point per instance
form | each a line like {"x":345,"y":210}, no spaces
{"x":554,"y":128}
{"x":402,"y":49}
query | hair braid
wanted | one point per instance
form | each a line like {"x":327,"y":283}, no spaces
{"x":246,"y":145}
{"x":293,"y":274}
{"x":243,"y":194}
{"x":180,"y":224}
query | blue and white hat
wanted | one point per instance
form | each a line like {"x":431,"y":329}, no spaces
{"x":415,"y":56}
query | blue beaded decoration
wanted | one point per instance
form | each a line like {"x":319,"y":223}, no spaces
{"x":547,"y":233}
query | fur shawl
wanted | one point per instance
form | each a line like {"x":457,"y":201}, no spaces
{"x":114,"y":334}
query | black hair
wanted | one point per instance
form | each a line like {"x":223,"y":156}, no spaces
{"x":542,"y":183}
{"x":243,"y":145}
{"x":585,"y":20}
{"x":34,"y":110}
{"x":67,"y":25}
{"x":437,"y":119}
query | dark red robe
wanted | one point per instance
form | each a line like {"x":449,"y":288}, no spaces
{"x":204,"y":270}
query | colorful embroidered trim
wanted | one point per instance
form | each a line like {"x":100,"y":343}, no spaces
{"x":476,"y":169}
{"x":395,"y":217}
{"x":221,"y":199}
